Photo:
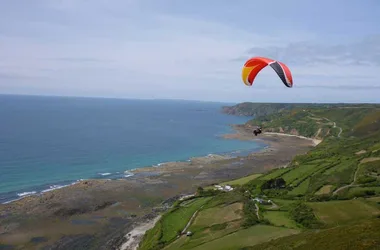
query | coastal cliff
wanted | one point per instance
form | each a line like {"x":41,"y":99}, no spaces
{"x":326,"y":198}
{"x":309,"y":120}
{"x":255,"y":109}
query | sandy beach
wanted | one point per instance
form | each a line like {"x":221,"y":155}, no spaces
{"x":99,"y":214}
{"x":244,"y":133}
{"x":134,"y":237}
{"x":315,"y":141}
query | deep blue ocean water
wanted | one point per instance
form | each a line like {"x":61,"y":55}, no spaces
{"x":48,"y":142}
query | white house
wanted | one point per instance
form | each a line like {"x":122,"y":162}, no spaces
{"x":258,"y":200}
{"x":225,"y":188}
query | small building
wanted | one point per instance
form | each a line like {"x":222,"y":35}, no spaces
{"x":261,"y":201}
{"x":189,"y":233}
{"x":223,"y":188}
{"x":258,"y":200}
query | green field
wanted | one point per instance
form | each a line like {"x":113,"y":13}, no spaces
{"x":369,"y":171}
{"x":178,"y":219}
{"x":375,"y":199}
{"x":283,"y":205}
{"x":361,"y":191}
{"x":178,"y":244}
{"x":335,"y":213}
{"x":219,"y":214}
{"x":298,"y":173}
{"x":283,"y":202}
{"x":247,"y":237}
{"x":202,"y":235}
{"x":166,"y":229}
{"x":358,"y":236}
{"x":223,"y":199}
{"x":280,"y":218}
{"x":301,"y":188}
{"x":326,"y":189}
{"x":242,"y":181}
{"x":212,"y":223}
{"x":274,"y":174}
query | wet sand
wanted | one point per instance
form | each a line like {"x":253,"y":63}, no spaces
{"x":98,"y":214}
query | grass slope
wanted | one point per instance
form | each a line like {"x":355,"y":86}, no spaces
{"x":335,"y":213}
{"x":365,"y":235}
{"x":246,"y":237}
{"x":280,"y":218}
{"x":219,"y":215}
{"x":320,"y":200}
{"x":242,"y":181}
{"x":319,"y":121}
{"x":167,"y":228}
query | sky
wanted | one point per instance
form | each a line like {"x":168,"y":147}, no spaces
{"x":194,"y":50}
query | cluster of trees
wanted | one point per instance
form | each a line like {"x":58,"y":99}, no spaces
{"x":277,"y":183}
{"x":303,"y":215}
{"x":207,"y":192}
{"x":250,"y":217}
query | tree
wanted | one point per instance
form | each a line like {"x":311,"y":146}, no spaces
{"x":277,"y":183}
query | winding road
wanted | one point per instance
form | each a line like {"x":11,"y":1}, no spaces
{"x":274,"y":206}
{"x":334,"y":123}
{"x":257,"y":211}
{"x":352,"y":184}
{"x":340,"y":129}
{"x":191,"y":220}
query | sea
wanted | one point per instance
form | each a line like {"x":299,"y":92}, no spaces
{"x":48,"y":143}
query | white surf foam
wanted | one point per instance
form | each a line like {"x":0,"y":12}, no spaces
{"x":23,"y":194}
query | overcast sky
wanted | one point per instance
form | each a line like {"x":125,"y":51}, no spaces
{"x":191,"y":49}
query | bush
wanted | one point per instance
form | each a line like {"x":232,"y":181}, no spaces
{"x":323,"y":197}
{"x":275,"y":192}
{"x":274,"y":184}
{"x":217,"y":227}
{"x":366,"y":179}
{"x":206,"y":193}
{"x":362,"y":193}
{"x":250,"y":217}
{"x":303,"y":215}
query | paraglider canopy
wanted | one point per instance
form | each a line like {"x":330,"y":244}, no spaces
{"x":255,"y":64}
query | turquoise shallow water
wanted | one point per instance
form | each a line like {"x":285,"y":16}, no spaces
{"x":49,"y":142}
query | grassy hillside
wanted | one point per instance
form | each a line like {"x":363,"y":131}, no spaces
{"x":321,"y":122}
{"x":365,"y":235}
{"x":256,"y":109}
{"x":172,"y":223}
{"x":351,"y":159}
{"x":327,"y":198}
{"x":263,"y":109}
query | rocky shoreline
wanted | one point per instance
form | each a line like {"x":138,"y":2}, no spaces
{"x":97,"y":214}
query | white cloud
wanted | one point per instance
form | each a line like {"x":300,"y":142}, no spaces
{"x":125,"y":49}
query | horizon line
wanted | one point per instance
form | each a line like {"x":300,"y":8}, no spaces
{"x":174,"y":99}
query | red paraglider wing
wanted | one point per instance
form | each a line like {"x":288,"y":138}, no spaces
{"x":254,"y":65}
